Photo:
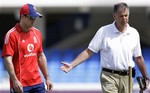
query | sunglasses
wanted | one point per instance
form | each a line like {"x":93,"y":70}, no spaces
{"x":30,"y":17}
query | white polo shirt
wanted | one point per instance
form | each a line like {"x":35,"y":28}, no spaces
{"x":116,"y":49}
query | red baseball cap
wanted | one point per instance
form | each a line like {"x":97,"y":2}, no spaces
{"x":29,"y":9}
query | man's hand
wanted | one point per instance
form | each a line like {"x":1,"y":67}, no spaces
{"x":66,"y":67}
{"x":143,"y":83}
{"x":147,"y":82}
{"x":49,"y":86}
{"x":17,"y":86}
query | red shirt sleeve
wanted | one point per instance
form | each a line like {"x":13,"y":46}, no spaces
{"x":9,"y":45}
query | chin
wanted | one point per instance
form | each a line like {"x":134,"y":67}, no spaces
{"x":124,"y":24}
{"x":31,"y":26}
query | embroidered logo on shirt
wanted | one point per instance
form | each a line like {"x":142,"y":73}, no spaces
{"x":35,"y":40}
{"x":23,"y":40}
{"x":30,"y":47}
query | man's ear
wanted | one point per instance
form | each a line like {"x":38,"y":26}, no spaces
{"x":114,"y":15}
{"x":21,"y":16}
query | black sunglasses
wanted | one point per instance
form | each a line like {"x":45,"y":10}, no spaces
{"x":30,"y":17}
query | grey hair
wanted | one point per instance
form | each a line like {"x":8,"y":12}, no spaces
{"x":121,"y":5}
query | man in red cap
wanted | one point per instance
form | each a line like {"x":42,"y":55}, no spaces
{"x":23,"y":55}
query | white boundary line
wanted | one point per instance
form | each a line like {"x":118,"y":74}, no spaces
{"x":4,"y":85}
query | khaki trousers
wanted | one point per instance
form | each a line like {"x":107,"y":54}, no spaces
{"x":114,"y":83}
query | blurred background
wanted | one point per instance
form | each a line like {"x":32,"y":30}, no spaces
{"x":67,"y":28}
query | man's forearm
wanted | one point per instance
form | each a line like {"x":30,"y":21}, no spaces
{"x":10,"y":68}
{"x":43,"y":65}
{"x":86,"y":54}
{"x":142,"y":66}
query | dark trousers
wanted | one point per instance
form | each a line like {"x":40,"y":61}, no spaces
{"x":39,"y":88}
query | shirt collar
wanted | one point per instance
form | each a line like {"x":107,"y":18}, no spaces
{"x":19,"y":29}
{"x":17,"y":26}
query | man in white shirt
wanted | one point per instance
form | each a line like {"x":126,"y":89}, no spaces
{"x":118,"y":43}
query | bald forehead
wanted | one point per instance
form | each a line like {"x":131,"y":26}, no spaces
{"x":120,"y":7}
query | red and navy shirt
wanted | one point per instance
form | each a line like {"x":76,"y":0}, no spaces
{"x":24,"y":48}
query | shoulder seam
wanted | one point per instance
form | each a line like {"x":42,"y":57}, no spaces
{"x":8,"y":34}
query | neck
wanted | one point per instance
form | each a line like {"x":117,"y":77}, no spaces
{"x":121,"y":28}
{"x":24,"y":29}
